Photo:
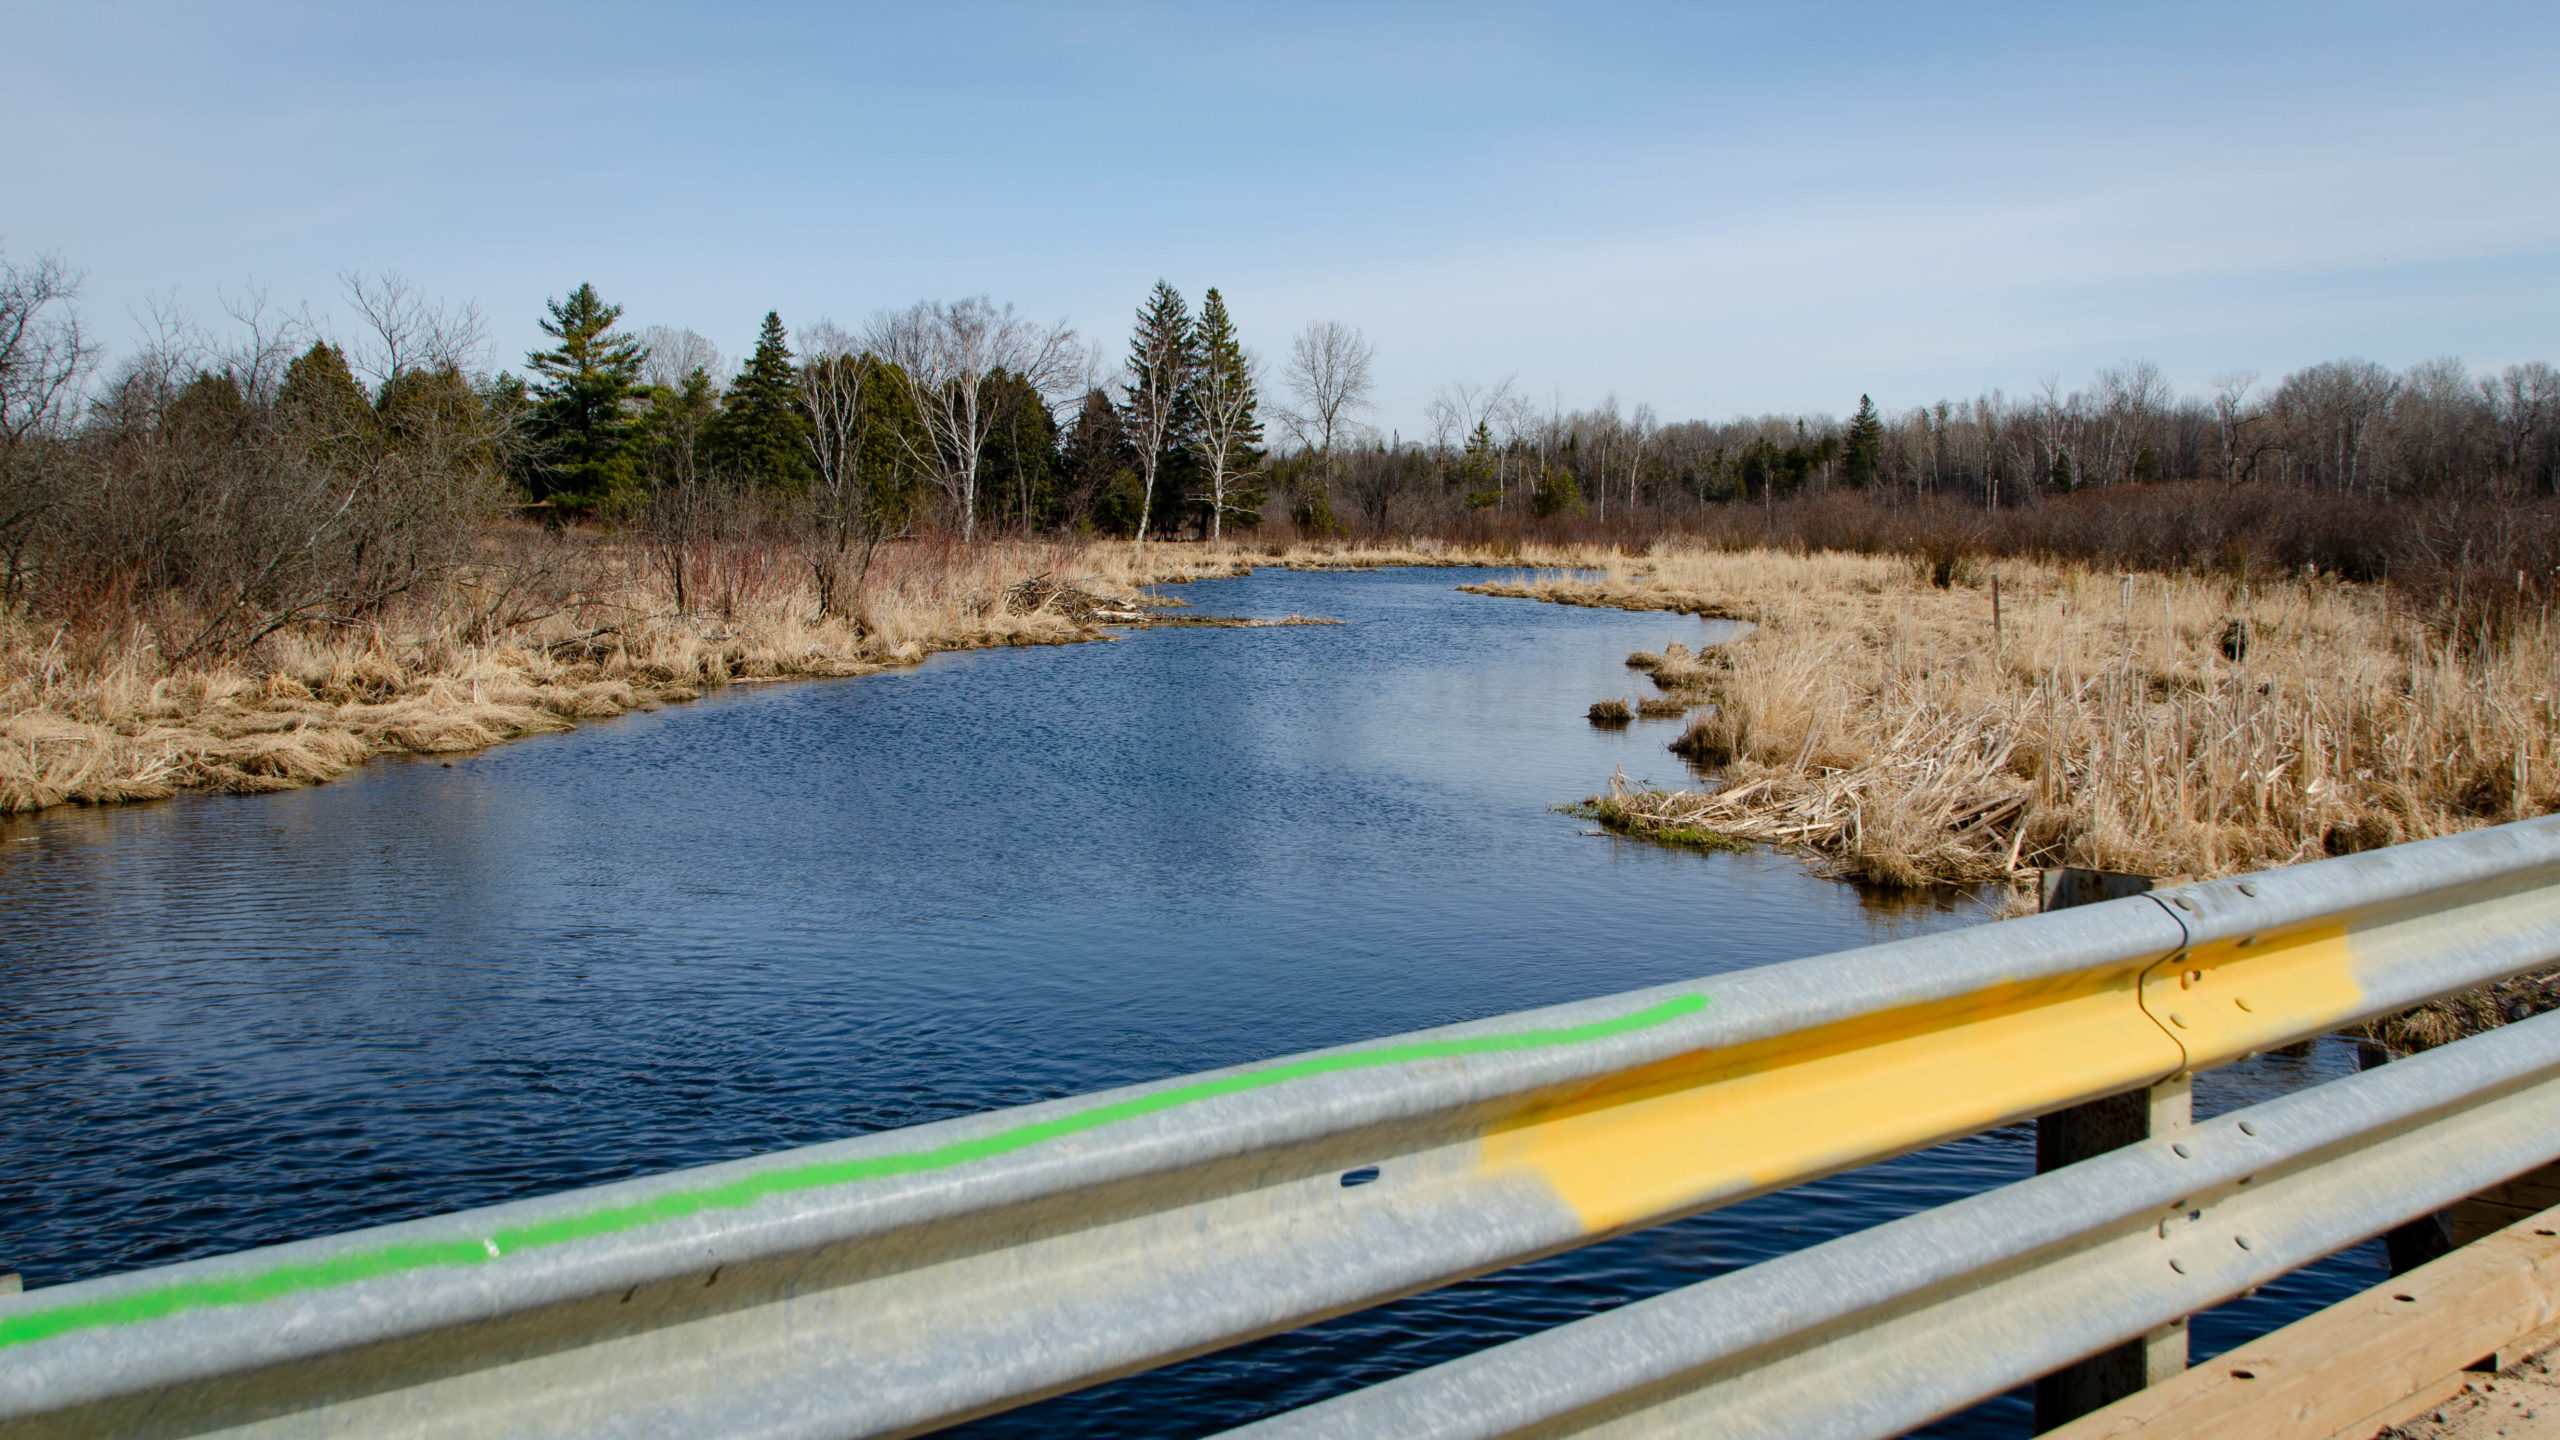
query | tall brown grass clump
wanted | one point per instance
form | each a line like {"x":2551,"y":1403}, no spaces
{"x":2163,"y":725}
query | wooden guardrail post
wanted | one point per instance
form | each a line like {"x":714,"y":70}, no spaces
{"x":2083,"y":1132}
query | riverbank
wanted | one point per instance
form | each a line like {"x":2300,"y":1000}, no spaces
{"x":548,"y":632}
{"x":1908,"y":732}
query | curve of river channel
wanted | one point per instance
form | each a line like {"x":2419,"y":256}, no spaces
{"x":791,"y":913}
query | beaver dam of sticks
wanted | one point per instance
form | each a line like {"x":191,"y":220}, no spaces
{"x":1900,"y":733}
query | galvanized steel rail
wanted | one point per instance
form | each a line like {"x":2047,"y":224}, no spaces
{"x":903,"y":1281}
{"x":1880,"y":1332}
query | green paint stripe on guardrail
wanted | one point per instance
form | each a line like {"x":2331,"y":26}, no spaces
{"x":279,"y":1281}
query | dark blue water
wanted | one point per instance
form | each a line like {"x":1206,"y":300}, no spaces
{"x":794,"y":913}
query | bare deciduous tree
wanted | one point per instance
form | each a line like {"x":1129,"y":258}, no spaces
{"x":1228,"y":428}
{"x":2524,"y":410}
{"x":43,"y":357}
{"x":43,"y":353}
{"x":1162,"y":360}
{"x":2330,"y":410}
{"x":1328,"y":372}
{"x":406,"y":331}
{"x":950,"y":352}
{"x":836,"y":379}
{"x":2231,"y":418}
{"x":672,"y":354}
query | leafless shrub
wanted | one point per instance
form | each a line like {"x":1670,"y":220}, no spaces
{"x":224,"y":488}
{"x":854,"y":502}
{"x":43,"y":358}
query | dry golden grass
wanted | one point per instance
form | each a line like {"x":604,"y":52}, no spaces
{"x":98,"y":719}
{"x":1883,"y":724}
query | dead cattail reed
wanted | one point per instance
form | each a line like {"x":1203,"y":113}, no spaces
{"x":1869,"y":722}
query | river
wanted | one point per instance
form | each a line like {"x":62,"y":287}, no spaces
{"x":790,"y":913}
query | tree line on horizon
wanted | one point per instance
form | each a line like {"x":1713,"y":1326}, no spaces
{"x":1139,"y":463}
{"x":2347,"y":429}
{"x":963,"y":414}
{"x":277,"y":474}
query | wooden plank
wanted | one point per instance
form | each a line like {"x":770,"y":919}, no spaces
{"x":2521,"y":1402}
{"x":2351,"y":1368}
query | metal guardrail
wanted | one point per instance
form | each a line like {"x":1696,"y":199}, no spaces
{"x":1879,"y":1332}
{"x":907,"y":1280}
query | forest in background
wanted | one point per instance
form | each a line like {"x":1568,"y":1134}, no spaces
{"x":218,"y":487}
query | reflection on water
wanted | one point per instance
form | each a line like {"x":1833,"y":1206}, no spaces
{"x":792,"y":913}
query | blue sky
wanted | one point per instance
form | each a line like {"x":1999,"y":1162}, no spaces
{"x":1711,"y":209}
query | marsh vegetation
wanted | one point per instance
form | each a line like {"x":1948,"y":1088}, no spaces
{"x":247,"y":557}
{"x":2162,"y":724}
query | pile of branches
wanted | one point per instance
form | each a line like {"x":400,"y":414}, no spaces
{"x":1044,"y":592}
{"x":1916,"y":815}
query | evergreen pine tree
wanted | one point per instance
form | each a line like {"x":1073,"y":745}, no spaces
{"x":1017,"y":471}
{"x":1157,"y":412}
{"x":679,"y":416}
{"x":324,"y":406}
{"x":588,"y":441}
{"x":1100,"y":470}
{"x":1863,"y":459}
{"x":1475,"y":474}
{"x":1226,"y":425}
{"x":762,"y":435}
{"x":894,"y":435}
{"x":424,"y":409}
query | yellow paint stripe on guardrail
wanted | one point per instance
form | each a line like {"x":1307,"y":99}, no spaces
{"x":2224,"y":1000}
{"x":1721,"y":1124}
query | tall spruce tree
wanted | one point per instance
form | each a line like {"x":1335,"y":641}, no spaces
{"x":1476,"y":475}
{"x":325,"y":407}
{"x":587,"y":439}
{"x":1099,"y":468}
{"x":1157,"y":407}
{"x":1226,"y":426}
{"x":762,"y":435}
{"x":678,"y":418}
{"x":1018,"y":483}
{"x":1863,"y":457}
